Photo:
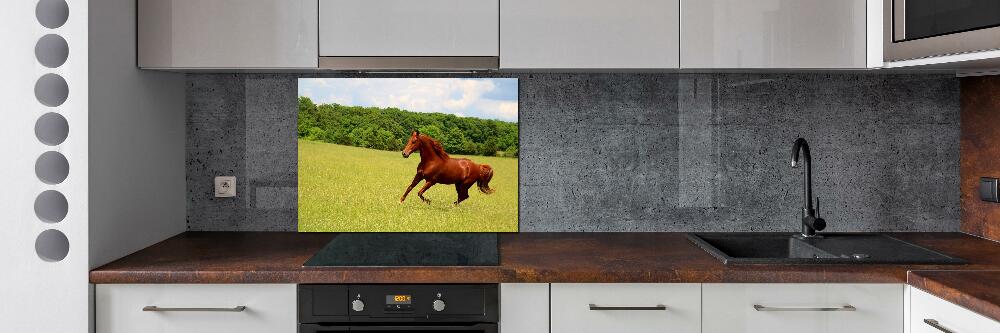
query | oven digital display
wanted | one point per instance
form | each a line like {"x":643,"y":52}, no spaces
{"x":398,"y":299}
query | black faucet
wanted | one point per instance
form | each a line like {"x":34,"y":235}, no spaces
{"x":810,"y":221}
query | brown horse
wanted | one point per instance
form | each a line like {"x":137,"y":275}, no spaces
{"x":436,"y":167}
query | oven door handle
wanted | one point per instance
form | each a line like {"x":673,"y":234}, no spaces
{"x":486,"y":328}
{"x":312,"y":328}
{"x":481,"y":327}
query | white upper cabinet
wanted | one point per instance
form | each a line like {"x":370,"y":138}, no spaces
{"x":512,"y":34}
{"x":227,"y":33}
{"x":589,"y":34}
{"x":408,"y":28}
{"x":775,"y":34}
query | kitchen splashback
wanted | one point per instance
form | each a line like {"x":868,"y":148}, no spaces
{"x":639,"y":152}
{"x":980,"y":145}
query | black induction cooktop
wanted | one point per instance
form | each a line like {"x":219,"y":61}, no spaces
{"x":408,"y":249}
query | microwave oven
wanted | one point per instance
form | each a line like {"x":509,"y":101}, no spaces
{"x":915,"y":29}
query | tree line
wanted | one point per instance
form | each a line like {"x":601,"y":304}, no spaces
{"x":390,"y":128}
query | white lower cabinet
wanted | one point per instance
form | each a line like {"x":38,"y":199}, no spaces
{"x":625,"y":307}
{"x":817,"y":308}
{"x":196,"y":308}
{"x":930,"y":314}
{"x":570,"y":308}
{"x":524,"y":307}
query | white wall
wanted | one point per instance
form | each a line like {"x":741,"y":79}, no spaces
{"x":137,"y":186}
{"x":125,"y":150}
{"x":38,"y":295}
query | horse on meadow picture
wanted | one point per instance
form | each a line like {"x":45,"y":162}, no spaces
{"x":436,"y":167}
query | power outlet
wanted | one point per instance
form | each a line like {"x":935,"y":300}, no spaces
{"x":988,"y":189}
{"x":225,"y":187}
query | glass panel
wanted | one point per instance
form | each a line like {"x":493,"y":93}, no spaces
{"x":355,"y":141}
{"x":928,"y":18}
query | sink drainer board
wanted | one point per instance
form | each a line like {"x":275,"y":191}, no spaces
{"x":834,"y":248}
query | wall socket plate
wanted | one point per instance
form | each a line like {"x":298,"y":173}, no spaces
{"x":988,"y":189}
{"x":225,"y":186}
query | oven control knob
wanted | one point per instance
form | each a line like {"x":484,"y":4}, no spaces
{"x":438,"y":305}
{"x":358,"y":305}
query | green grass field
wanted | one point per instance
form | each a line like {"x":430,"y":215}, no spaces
{"x":351,"y":189}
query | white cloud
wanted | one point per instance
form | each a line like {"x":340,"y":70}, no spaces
{"x":461,"y":97}
{"x":502,"y":110}
{"x":508,"y":110}
{"x":339,"y":99}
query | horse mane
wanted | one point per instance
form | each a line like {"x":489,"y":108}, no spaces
{"x":437,"y":147}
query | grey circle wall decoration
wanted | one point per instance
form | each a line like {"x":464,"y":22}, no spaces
{"x":51,"y":50}
{"x":51,"y":90}
{"x":52,"y":13}
{"x":51,"y":206}
{"x":52,"y":167}
{"x":52,"y":245}
{"x":51,"y":128}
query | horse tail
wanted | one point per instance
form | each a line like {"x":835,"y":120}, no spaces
{"x":485,"y":174}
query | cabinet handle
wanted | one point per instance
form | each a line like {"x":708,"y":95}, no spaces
{"x":935,"y":324}
{"x":848,"y":307}
{"x":154,"y":308}
{"x":660,"y":307}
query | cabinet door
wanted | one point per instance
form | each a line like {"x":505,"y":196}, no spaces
{"x":589,"y":34}
{"x":626,"y":307}
{"x":406,"y":28}
{"x":227,"y":33}
{"x":930,"y":314}
{"x":269,"y":308}
{"x":816,"y":308}
{"x":773,"y":34}
{"x":524,"y":308}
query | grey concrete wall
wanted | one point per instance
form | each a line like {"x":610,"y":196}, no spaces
{"x":243,"y":126}
{"x":640,"y":152}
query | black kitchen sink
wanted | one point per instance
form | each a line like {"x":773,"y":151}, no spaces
{"x":837,"y":248}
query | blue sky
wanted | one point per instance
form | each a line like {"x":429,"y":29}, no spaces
{"x":492,"y":98}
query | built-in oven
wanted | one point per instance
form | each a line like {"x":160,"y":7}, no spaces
{"x":928,"y":28}
{"x":387,"y":308}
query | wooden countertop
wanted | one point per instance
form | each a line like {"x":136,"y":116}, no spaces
{"x":264,"y":257}
{"x":978,"y":291}
{"x":277,"y":257}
